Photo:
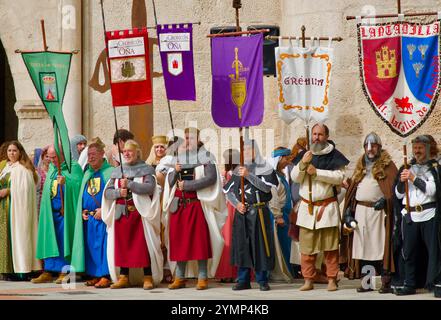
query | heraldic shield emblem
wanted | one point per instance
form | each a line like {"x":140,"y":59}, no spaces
{"x":399,"y":69}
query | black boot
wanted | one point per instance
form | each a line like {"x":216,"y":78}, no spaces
{"x":241,"y":286}
{"x":264,"y":286}
{"x":405,"y":291}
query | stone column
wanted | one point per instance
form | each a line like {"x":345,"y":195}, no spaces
{"x":71,"y":25}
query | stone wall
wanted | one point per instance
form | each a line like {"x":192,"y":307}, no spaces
{"x":351,"y":116}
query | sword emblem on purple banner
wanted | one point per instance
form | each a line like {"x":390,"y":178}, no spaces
{"x":176,"y":49}
{"x":237,"y":69}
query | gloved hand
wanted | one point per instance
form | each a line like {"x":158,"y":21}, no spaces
{"x":380,"y":204}
{"x":349,"y":220}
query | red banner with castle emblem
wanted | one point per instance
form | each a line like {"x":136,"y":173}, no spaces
{"x":129,"y":67}
{"x":399,"y":69}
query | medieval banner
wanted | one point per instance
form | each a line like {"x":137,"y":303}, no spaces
{"x":49,"y":72}
{"x":237,"y":84}
{"x":303,"y":78}
{"x":399,"y":70}
{"x":129,"y":67}
{"x":176,"y":49}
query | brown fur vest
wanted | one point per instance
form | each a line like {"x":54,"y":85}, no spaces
{"x":378,"y":169}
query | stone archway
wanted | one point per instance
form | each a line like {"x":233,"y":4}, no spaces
{"x":8,"y":117}
{"x":33,"y":128}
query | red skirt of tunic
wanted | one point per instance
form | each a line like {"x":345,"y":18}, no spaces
{"x":131,"y":249}
{"x":189,"y":235}
{"x":225,"y":269}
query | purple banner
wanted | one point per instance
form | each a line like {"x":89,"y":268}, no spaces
{"x":237,"y":96}
{"x":176,"y":49}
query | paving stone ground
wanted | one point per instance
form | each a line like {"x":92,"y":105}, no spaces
{"x":217,"y":291}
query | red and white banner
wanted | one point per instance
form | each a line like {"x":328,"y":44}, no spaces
{"x":129,"y":66}
{"x":399,"y":70}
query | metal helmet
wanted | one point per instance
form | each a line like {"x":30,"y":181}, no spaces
{"x":422,"y":139}
{"x":372,"y":138}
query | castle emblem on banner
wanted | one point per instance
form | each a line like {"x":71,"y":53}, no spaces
{"x":386,"y":63}
{"x":399,"y":69}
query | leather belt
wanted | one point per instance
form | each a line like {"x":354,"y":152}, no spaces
{"x":422,"y":207}
{"x":322,"y":204}
{"x":368,"y":204}
{"x":131,"y":208}
{"x":187,"y":200}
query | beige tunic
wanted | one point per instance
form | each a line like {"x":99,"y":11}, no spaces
{"x":370,"y":234}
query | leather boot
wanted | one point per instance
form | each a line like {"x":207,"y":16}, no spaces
{"x":60,"y":278}
{"x":202,"y":284}
{"x":148,"y":283}
{"x":103,"y":283}
{"x":385,"y":285}
{"x":177,"y":284}
{"x":45,"y":277}
{"x":332,"y":285}
{"x":123,"y":282}
{"x":309,"y":285}
{"x":91,"y":282}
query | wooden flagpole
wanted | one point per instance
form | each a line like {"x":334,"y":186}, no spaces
{"x":45,"y":47}
{"x":114,"y":111}
{"x":237,"y":5}
{"x":308,"y":144}
{"x":168,"y":101}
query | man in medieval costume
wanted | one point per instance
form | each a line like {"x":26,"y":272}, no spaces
{"x":417,"y":225}
{"x":280,"y":206}
{"x":196,"y":210}
{"x":369,"y":202}
{"x":131,"y":211}
{"x":56,"y":226}
{"x":77,"y":145}
{"x":89,"y":224}
{"x":253,"y":236}
{"x":319,"y":171}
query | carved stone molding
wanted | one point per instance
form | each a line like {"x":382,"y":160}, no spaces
{"x":30,"y":110}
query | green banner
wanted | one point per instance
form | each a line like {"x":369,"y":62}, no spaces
{"x":49,"y":72}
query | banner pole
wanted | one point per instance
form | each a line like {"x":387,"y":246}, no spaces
{"x":43,"y":31}
{"x":237,"y":5}
{"x":114,"y":111}
{"x":308,"y":146}
{"x":406,"y":183}
{"x":168,"y":101}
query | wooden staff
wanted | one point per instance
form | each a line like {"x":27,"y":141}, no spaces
{"x":406,"y":183}
{"x":308,"y":146}
{"x":43,"y":31}
{"x":60,"y":187}
{"x":237,"y":5}
{"x":338,"y":39}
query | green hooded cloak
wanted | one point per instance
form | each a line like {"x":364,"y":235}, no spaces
{"x":47,"y":246}
{"x":78,"y":249}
